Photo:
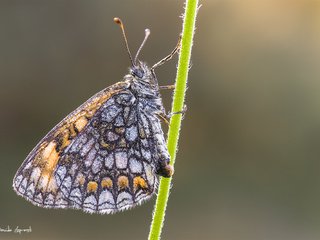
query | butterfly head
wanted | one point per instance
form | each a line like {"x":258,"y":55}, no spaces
{"x":142,"y":74}
{"x":139,"y":71}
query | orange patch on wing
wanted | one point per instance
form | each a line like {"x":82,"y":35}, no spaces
{"x":72,"y":131}
{"x":65,"y":139}
{"x":50,"y":156}
{"x":92,"y":186}
{"x":47,"y":183}
{"x":139,"y":182}
{"x":106,"y":182}
{"x":123,"y":182}
{"x":81,"y":123}
{"x":48,"y":160}
{"x":47,"y":151}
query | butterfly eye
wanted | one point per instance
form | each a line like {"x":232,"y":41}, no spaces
{"x":137,"y":72}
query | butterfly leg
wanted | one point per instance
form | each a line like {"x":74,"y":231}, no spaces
{"x":183,"y":112}
{"x":167,"y":87}
{"x":170,"y":56}
{"x":163,"y":117}
{"x":166,"y":116}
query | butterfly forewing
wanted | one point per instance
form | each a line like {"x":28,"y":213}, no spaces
{"x":101,"y":158}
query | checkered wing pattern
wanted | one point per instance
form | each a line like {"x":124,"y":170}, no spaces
{"x":102,"y":158}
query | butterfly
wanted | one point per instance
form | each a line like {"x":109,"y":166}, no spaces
{"x":107,"y":155}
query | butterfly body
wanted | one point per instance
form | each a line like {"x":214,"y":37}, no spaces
{"x":104,"y":157}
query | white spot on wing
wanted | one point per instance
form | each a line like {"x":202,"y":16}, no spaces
{"x":109,"y":161}
{"x":30,"y":190}
{"x":90,"y":204}
{"x":96,"y":166}
{"x":35,"y":174}
{"x":28,"y":165}
{"x":146,"y":154}
{"x":73,"y":169}
{"x":109,"y":113}
{"x":90,"y":157}
{"x":49,"y":200}
{"x":145,"y":143}
{"x":111,"y":136}
{"x":109,"y":102}
{"x":135,"y":165}
{"x":149,"y":173}
{"x":77,"y":144}
{"x":76,"y":196}
{"x":87,"y":147}
{"x":62,"y":203}
{"x":121,"y":159}
{"x":145,"y":124}
{"x":106,"y":200}
{"x":124,"y":200}
{"x":23,"y":185}
{"x":119,"y":121}
{"x":43,"y":181}
{"x":18,"y":180}
{"x":66,"y":186}
{"x":132,"y":133}
{"x":38,"y":198}
{"x":61,"y":173}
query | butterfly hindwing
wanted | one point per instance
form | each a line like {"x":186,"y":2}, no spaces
{"x":97,"y":159}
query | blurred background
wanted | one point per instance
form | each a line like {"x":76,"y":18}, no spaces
{"x":248,"y":163}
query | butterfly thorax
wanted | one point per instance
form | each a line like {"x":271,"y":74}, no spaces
{"x":144,"y":85}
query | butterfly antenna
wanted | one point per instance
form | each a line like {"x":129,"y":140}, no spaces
{"x":146,"y":35}
{"x":119,"y":22}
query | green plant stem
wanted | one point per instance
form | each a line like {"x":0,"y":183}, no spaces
{"x":175,"y":121}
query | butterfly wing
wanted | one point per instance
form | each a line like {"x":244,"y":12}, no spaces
{"x":98,"y":159}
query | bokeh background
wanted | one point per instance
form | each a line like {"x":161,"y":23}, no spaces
{"x":248,"y":163}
